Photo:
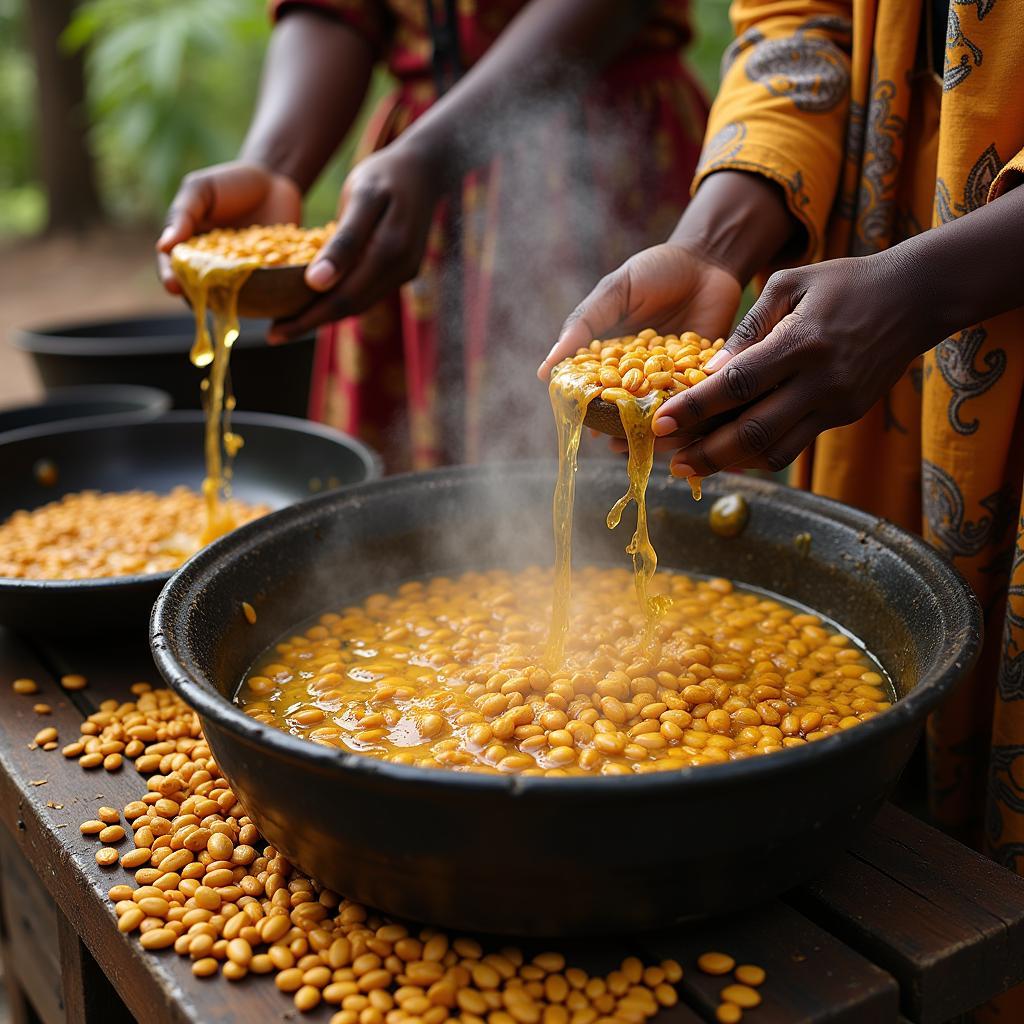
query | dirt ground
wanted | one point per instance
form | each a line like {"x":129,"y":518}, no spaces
{"x":53,"y":280}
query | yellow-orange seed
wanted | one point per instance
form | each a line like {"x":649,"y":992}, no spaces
{"x":715,"y":963}
{"x":254,"y":913}
{"x":750,"y":974}
{"x":741,"y":995}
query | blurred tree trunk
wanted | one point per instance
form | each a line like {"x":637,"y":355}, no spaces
{"x":65,"y":161}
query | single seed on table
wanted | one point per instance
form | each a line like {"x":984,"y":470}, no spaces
{"x":234,"y":971}
{"x":205,"y":968}
{"x":111,"y":815}
{"x":93,"y":760}
{"x":741,"y":995}
{"x":42,"y":709}
{"x":750,"y":974}
{"x":249,"y":612}
{"x":112,"y":834}
{"x":25,"y":686}
{"x":106,"y":856}
{"x":73,"y":682}
{"x":52,"y":745}
{"x":73,"y":749}
{"x":92,"y":827}
{"x":47,"y":735}
{"x":135,"y":858}
{"x":715,"y":963}
{"x":673,"y":970}
{"x":728,"y":1013}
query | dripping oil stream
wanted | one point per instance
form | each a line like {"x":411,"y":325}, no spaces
{"x":637,"y":417}
{"x":570,"y":396}
{"x":212,"y":285}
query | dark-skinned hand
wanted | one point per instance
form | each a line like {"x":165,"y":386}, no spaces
{"x":386,"y":208}
{"x":234,"y":194}
{"x":820,"y":346}
{"x":662,"y":287}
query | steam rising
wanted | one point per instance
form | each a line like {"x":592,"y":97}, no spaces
{"x":550,"y":216}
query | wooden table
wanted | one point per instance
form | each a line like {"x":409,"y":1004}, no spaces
{"x":907,"y":926}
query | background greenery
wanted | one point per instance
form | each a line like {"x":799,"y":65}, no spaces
{"x":170,"y":87}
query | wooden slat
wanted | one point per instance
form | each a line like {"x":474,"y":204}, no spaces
{"x":947,"y":922}
{"x":30,"y":933}
{"x":811,"y":975}
{"x":88,"y":997}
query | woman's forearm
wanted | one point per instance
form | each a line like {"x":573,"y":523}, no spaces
{"x":315,"y":77}
{"x":739,"y":221}
{"x":550,"y":49}
{"x":969,"y":270}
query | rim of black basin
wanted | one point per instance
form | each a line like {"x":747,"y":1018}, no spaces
{"x":183,"y":675}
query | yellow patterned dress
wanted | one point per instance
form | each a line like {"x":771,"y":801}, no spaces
{"x":838,"y":102}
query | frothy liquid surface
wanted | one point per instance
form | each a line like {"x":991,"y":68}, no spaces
{"x":452,"y":673}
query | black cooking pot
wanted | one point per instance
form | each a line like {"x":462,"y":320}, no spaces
{"x":154,"y":350}
{"x":284,"y":460}
{"x":577,"y":855}
{"x":82,"y":403}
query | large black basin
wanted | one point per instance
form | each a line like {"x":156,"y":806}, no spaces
{"x":557,"y":856}
{"x":153,"y":350}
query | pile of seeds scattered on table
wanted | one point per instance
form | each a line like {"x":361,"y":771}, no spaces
{"x":204,"y":888}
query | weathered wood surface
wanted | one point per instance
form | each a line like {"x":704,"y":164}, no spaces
{"x":908,"y":922}
{"x":945,"y":921}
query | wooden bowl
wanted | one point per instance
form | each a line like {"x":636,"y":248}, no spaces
{"x":604,"y":416}
{"x":275,"y":293}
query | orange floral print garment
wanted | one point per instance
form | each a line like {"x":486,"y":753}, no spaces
{"x":832,"y":100}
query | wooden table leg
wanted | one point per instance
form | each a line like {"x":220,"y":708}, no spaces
{"x":18,"y":1009}
{"x":89,"y":998}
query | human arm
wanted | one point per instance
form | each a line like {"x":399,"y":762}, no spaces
{"x":824,"y":343}
{"x":765,"y":184}
{"x":315,"y":76}
{"x":550,"y":48}
{"x":735,"y":223}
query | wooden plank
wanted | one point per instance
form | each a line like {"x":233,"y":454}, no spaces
{"x":812,"y":977}
{"x":88,"y":997}
{"x":15,"y":1007}
{"x":947,"y":922}
{"x":30,"y":931}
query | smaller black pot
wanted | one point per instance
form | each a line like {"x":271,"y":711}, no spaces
{"x":284,"y":460}
{"x":141,"y":350}
{"x":82,"y":403}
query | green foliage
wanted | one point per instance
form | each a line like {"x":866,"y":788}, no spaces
{"x":171,"y":87}
{"x":713,"y":33}
{"x":172,"y":84}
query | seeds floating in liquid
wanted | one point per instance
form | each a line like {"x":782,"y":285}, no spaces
{"x":453,"y":673}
